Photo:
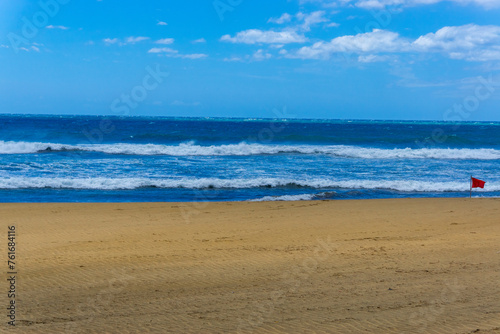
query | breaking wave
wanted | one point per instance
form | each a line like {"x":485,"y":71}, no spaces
{"x":217,"y":183}
{"x":245,"y":149}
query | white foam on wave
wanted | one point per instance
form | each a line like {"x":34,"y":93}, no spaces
{"x":14,"y":147}
{"x":245,"y":149}
{"x":485,"y":196}
{"x":103,"y":183}
{"x":302,"y":197}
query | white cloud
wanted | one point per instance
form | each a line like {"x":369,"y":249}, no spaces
{"x":375,"y":41}
{"x":333,"y":25}
{"x":302,"y":21}
{"x":470,"y":42}
{"x":253,"y":36}
{"x":261,"y":55}
{"x":378,"y":4}
{"x":284,"y":18}
{"x":311,"y":19}
{"x":4,"y":46}
{"x":165,"y":41}
{"x":168,"y":52}
{"x":233,"y":59}
{"x":258,"y":55}
{"x":161,"y":23}
{"x":162,"y":50}
{"x":128,"y":40}
{"x":29,"y":49}
{"x":459,"y":37}
{"x":110,"y":41}
{"x":325,"y":3}
{"x":133,"y":40}
{"x":193,"y":56}
{"x":199,"y":40}
{"x":372,"y":58}
{"x":57,"y":27}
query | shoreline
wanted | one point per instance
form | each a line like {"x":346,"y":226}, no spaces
{"x":378,"y":265}
{"x":258,"y":201}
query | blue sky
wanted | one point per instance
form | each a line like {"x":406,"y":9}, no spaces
{"x":355,"y":59}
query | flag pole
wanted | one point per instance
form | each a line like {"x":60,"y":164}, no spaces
{"x":470,"y":181}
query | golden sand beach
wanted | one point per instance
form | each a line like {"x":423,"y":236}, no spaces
{"x":369,"y":266}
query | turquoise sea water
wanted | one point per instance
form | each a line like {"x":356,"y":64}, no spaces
{"x":111,"y":159}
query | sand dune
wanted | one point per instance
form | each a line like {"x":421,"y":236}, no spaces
{"x":374,"y":266}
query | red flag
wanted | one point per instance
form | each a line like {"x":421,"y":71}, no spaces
{"x":476,"y":183}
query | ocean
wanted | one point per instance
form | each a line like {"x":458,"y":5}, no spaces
{"x":160,"y":159}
